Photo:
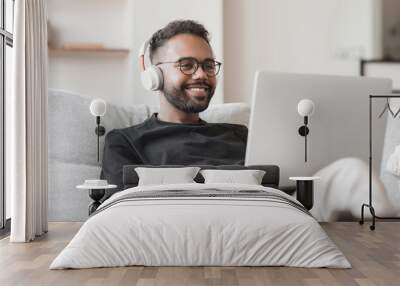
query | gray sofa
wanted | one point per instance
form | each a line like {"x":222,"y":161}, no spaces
{"x":73,"y":145}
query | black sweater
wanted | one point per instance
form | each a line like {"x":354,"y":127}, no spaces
{"x":156,"y":142}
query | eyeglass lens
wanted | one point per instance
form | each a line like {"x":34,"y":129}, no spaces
{"x":190,"y":66}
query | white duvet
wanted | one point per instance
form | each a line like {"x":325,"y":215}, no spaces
{"x":200,"y":231}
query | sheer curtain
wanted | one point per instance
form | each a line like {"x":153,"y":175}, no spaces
{"x":26,"y":123}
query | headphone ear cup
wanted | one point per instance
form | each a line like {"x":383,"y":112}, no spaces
{"x":152,"y":78}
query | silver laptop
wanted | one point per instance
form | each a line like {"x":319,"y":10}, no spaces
{"x":338,"y":126}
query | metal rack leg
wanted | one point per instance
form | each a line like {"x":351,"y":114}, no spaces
{"x":372,"y":211}
{"x":362,"y":214}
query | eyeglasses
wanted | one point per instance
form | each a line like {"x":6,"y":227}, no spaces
{"x":189,"y":66}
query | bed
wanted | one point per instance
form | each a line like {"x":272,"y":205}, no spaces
{"x":201,"y":224}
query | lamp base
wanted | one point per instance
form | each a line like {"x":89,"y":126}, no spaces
{"x":303,"y":130}
{"x":100,"y":130}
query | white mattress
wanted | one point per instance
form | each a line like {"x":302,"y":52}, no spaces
{"x":185,"y":231}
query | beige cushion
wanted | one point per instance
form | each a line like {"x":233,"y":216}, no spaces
{"x":236,"y":113}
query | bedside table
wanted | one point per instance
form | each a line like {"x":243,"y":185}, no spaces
{"x":96,"y":193}
{"x":305,"y":190}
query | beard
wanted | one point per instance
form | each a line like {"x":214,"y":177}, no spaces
{"x":181,"y":100}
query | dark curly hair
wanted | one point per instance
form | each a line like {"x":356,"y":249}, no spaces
{"x":174,"y":28}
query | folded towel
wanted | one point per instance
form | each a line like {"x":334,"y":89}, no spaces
{"x":393,"y":163}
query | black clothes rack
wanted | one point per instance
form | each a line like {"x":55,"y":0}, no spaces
{"x":369,"y":205}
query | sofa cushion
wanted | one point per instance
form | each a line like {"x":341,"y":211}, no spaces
{"x":66,"y":202}
{"x":71,"y":126}
{"x":235,"y":113}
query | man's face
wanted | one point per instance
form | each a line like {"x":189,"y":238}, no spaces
{"x":188,"y":93}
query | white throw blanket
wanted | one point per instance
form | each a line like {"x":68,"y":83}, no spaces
{"x":343,"y":188}
{"x":201,"y":230}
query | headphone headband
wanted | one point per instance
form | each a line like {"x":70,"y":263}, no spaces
{"x":142,"y":52}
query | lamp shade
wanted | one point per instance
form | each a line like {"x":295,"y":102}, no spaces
{"x":305,"y":107}
{"x":98,"y":107}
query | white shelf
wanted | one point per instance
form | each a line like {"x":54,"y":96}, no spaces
{"x":90,"y":50}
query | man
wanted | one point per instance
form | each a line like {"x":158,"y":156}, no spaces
{"x":177,"y":135}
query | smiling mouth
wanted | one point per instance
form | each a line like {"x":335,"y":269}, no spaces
{"x":198,"y":91}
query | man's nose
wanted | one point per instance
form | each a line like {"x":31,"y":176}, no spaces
{"x":200,"y":73}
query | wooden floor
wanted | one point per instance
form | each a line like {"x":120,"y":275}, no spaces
{"x":374,"y":255}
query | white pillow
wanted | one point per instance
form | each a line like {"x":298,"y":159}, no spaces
{"x":248,"y":177}
{"x":163,"y":176}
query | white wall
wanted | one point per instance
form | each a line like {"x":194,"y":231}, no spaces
{"x":306,"y":36}
{"x":391,"y":19}
{"x":120,"y":24}
{"x":388,"y":70}
{"x":97,"y":75}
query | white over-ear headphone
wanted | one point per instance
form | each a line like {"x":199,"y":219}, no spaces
{"x":152,"y":76}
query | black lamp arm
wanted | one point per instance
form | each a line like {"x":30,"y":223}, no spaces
{"x":100,"y":131}
{"x":303,"y":131}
